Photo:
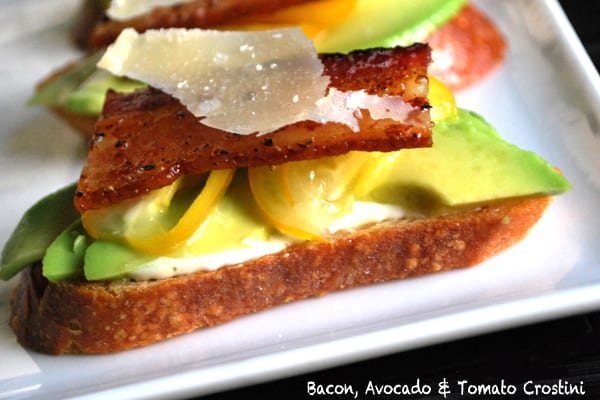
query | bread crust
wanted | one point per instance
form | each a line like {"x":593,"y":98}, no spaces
{"x":84,"y":317}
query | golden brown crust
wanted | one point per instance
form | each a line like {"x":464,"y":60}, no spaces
{"x":68,"y":317}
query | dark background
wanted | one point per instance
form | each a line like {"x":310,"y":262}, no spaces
{"x":567,"y":349}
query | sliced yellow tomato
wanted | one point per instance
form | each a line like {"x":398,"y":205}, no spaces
{"x":145,"y":224}
{"x":313,"y":17}
{"x":441,"y":98}
{"x":143,"y":216}
{"x":304,"y":198}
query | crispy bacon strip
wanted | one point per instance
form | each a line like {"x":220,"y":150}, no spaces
{"x":196,"y":14}
{"x":147,"y":139}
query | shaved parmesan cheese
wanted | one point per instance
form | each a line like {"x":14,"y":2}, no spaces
{"x":121,"y":10}
{"x":243,"y":82}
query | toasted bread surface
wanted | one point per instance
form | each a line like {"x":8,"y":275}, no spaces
{"x":105,"y":317}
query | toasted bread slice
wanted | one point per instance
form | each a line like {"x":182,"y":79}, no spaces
{"x":88,"y":317}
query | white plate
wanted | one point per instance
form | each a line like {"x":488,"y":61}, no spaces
{"x":545,"y":98}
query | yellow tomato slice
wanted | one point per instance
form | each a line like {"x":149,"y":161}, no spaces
{"x":215,"y":187}
{"x":441,"y":98}
{"x":143,"y":216}
{"x":295,"y":206}
{"x":313,"y":17}
{"x":304,"y":198}
{"x":149,"y":237}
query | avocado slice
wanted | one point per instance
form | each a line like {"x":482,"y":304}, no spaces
{"x":74,"y":255}
{"x":110,"y":260}
{"x":81,"y":87}
{"x":36,"y":230}
{"x":469,"y":163}
{"x":64,"y":257}
{"x":57,"y":89}
{"x":390,"y":23}
{"x":88,"y":98}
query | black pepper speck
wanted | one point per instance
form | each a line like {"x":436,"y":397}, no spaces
{"x":147,"y":167}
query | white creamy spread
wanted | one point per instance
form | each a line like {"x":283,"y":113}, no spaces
{"x":165,"y":267}
{"x":243,"y":82}
{"x":365,"y":213}
{"x":121,"y":10}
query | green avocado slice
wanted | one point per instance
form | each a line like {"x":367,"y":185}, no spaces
{"x":469,"y":163}
{"x":36,"y":230}
{"x":81,"y":87}
{"x":89,"y":97}
{"x":64,"y":257}
{"x":58,"y":89}
{"x":390,"y":23}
